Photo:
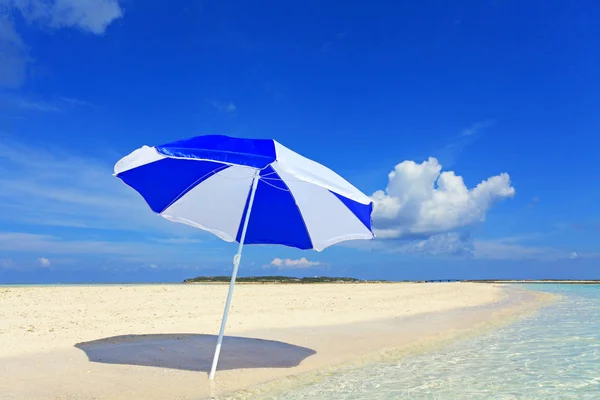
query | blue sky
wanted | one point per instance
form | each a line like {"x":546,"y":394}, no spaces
{"x":501,"y":93}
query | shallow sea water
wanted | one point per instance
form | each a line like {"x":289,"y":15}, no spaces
{"x":551,"y":354}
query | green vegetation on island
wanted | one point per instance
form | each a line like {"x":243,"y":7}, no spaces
{"x":274,"y":279}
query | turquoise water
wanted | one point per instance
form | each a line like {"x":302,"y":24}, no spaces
{"x":552,"y":354}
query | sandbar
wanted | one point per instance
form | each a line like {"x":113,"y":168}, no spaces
{"x":156,"y":341}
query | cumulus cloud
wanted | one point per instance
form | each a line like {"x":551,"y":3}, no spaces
{"x":422,"y":201}
{"x":44,"y":262}
{"x":92,"y":16}
{"x":282,"y":263}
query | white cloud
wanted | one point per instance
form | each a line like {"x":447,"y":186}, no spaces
{"x":24,"y":104}
{"x":449,"y":154}
{"x":282,"y":263}
{"x":477,"y":127}
{"x":452,"y":243}
{"x":46,"y":186}
{"x":227,"y":106}
{"x":6,"y":263}
{"x":534,"y":201}
{"x":180,"y":240}
{"x":513,"y":248}
{"x":31,"y":242}
{"x":142,"y":251}
{"x":420,"y":200}
{"x":327,"y":45}
{"x":14,"y":53}
{"x":76,"y":102}
{"x":44,"y":262}
{"x":444,"y":244}
{"x":458,"y":244}
{"x":21,"y":103}
{"x":92,"y":16}
{"x":153,"y":266}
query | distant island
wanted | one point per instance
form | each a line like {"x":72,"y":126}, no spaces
{"x":275,"y":279}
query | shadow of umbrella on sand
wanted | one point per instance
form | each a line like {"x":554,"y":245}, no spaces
{"x":193,"y":352}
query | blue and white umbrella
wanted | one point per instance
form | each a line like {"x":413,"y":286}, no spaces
{"x":252,"y":191}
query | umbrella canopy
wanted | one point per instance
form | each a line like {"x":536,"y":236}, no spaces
{"x":253,"y":191}
{"x":206,"y":181}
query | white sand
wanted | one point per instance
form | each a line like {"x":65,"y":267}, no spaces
{"x":320,"y":324}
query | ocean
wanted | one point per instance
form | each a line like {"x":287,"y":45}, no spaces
{"x":553,"y":353}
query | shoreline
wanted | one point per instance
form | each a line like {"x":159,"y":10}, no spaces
{"x":475,"y":321}
{"x":319,"y":327}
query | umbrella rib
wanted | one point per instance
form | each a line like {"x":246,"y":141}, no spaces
{"x":168,"y":152}
{"x":276,"y":187}
{"x":238,"y":179}
{"x":270,"y":173}
{"x":290,"y":180}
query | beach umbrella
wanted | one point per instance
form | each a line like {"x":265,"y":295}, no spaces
{"x":251,"y":191}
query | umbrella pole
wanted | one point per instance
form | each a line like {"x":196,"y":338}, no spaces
{"x":236,"y":264}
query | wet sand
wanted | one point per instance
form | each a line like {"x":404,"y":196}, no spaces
{"x":157,"y":341}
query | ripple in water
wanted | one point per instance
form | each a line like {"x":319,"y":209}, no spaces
{"x":554,"y":354}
